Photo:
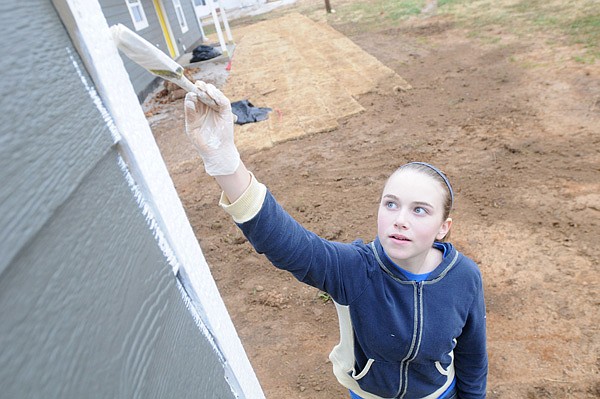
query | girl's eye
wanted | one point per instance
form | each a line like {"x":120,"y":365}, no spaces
{"x":390,"y":205}
{"x":420,"y":211}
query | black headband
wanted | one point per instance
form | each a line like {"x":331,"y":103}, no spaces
{"x":442,"y":175}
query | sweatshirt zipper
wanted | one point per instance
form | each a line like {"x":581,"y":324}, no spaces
{"x":417,"y":336}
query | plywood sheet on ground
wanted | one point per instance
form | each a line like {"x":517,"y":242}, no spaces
{"x":309,"y":73}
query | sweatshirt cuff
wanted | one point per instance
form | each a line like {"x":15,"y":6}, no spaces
{"x":249,"y":203}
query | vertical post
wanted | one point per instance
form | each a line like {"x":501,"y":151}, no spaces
{"x":225,"y":22}
{"x":201,"y":29}
{"x":213,"y":11}
{"x":327,"y":7}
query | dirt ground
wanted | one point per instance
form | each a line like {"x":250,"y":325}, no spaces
{"x":517,"y":132}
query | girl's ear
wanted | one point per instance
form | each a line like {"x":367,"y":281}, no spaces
{"x":444,"y":229}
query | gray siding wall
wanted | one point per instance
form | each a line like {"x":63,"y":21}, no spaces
{"x":88,"y":302}
{"x":115,"y":11}
{"x":188,"y":40}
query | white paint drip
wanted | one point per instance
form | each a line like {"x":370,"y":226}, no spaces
{"x":232,"y":381}
{"x":189,"y":302}
{"x":147,"y":211}
{"x":148,"y":214}
{"x":163,"y":244}
{"x":116,"y":136}
{"x":150,"y":219}
{"x":110,"y":89}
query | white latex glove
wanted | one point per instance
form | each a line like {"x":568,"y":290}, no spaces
{"x":209,"y":125}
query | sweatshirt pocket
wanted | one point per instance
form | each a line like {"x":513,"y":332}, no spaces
{"x":448,"y":368}
{"x":362,"y":373}
{"x":378,"y":377}
{"x":441,"y":369}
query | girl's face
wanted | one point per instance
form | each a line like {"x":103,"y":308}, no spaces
{"x":410,"y":218}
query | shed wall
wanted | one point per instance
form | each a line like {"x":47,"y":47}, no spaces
{"x":88,"y":301}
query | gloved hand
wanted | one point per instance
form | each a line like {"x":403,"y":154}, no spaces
{"x":209,"y":125}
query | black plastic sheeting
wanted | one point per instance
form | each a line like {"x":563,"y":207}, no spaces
{"x":248,"y":113}
{"x":203,"y":53}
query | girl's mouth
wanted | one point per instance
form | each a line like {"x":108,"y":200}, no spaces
{"x":398,"y":237}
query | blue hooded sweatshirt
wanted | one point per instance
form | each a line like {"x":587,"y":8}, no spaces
{"x":398,"y":338}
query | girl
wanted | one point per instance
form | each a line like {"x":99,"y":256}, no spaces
{"x":410,"y":306}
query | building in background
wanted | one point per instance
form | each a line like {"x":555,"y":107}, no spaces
{"x":173,"y":26}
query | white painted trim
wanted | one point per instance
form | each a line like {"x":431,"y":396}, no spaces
{"x":91,"y":36}
{"x":136,"y":10}
{"x":203,"y":10}
{"x":180,"y":16}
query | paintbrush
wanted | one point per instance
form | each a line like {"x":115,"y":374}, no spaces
{"x":143,"y":53}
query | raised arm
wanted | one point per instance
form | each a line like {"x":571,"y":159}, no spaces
{"x":271,"y":230}
{"x":209,"y":125}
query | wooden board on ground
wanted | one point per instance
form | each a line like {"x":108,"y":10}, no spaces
{"x":307,"y":72}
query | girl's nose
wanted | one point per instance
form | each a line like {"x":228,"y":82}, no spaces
{"x":401,"y":220}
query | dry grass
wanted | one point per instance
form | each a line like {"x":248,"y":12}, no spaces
{"x":575,"y":22}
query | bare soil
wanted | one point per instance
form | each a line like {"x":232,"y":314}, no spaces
{"x":515,"y":125}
